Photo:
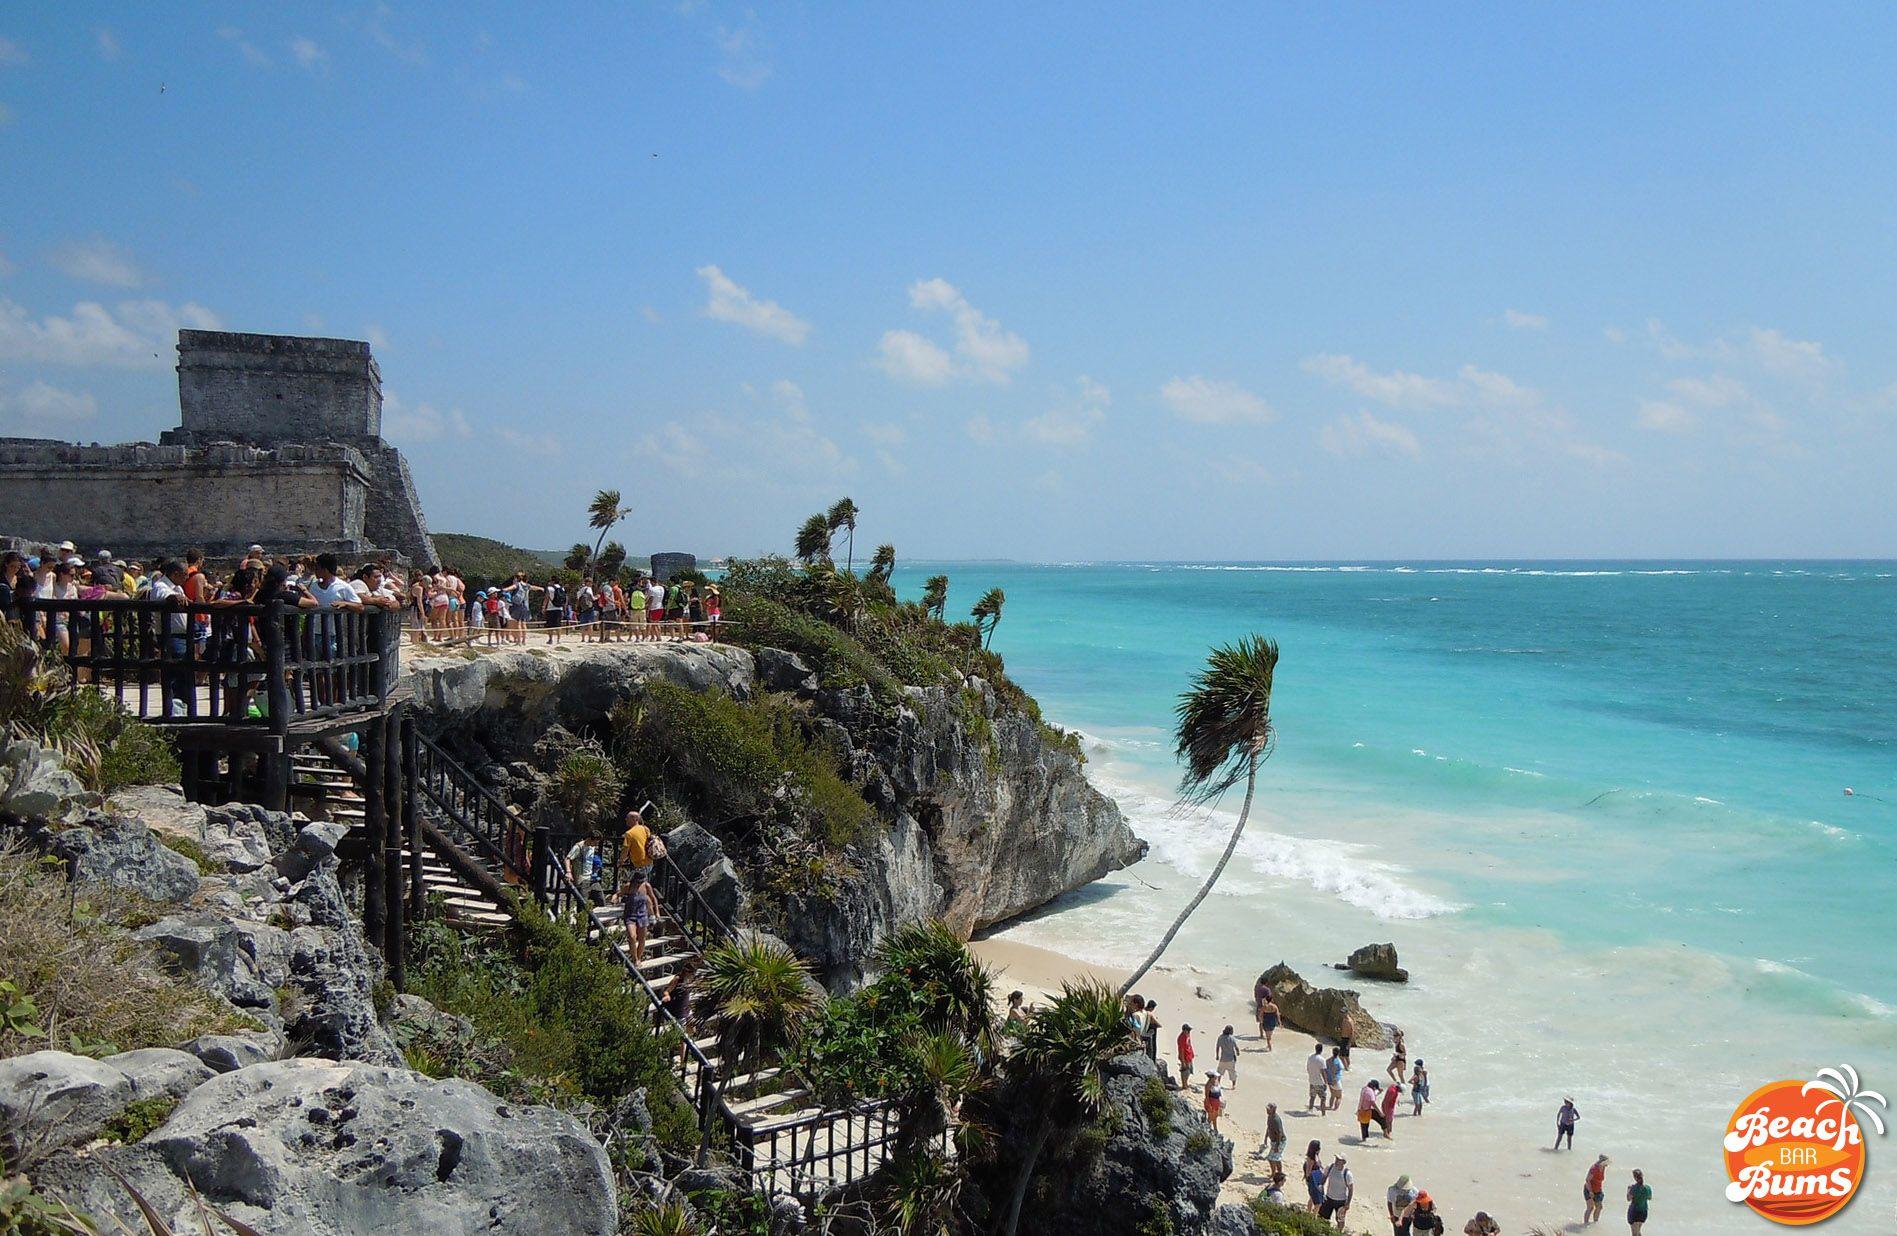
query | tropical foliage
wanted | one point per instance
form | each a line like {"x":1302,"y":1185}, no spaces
{"x":760,"y":994}
{"x":103,"y":745}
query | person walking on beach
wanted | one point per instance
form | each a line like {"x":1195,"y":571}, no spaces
{"x":1225,"y":1051}
{"x":1274,"y":1137}
{"x":1367,"y":1108}
{"x":1320,"y":1086}
{"x":1344,"y":1032}
{"x":1313,"y":1173}
{"x":1419,"y":1089}
{"x":1399,"y":1061}
{"x":1334,"y":1079}
{"x":1339,"y":1187}
{"x":1639,"y":1197}
{"x":1564,"y":1122}
{"x":1387,"y":1110}
{"x":1151,"y":1030}
{"x":1396,"y":1201}
{"x":1423,"y":1217}
{"x":1481,"y":1225}
{"x":1214,"y":1100}
{"x":1260,"y":996}
{"x":1268,"y":1018}
{"x":1185,"y":1056}
{"x":1594,"y":1192}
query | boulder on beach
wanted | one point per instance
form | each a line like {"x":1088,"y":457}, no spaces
{"x":1323,"y":1011}
{"x":1375,"y":961}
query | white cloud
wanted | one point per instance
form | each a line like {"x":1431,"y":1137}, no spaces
{"x":308,"y":53}
{"x":908,"y":357}
{"x":1072,"y":422}
{"x":1718,"y":391}
{"x":1497,"y":389}
{"x":1206,"y":402}
{"x":135,"y":334}
{"x":377,"y":27}
{"x":989,"y":351}
{"x":43,"y":405}
{"x":885,"y":433}
{"x":108,"y":44}
{"x":781,"y":449}
{"x":422,"y":423}
{"x":1660,"y":416}
{"x":980,"y":430}
{"x":542,"y":444}
{"x":1520,"y":320}
{"x":1396,"y":389}
{"x":731,"y":303}
{"x":376,"y":338}
{"x":650,"y":314}
{"x":1613,"y":334}
{"x":742,"y":62}
{"x":1589,"y":452}
{"x":97,"y":261}
{"x":11,"y":52}
{"x":250,"y":51}
{"x":1766,"y":348}
{"x":1363,"y":433}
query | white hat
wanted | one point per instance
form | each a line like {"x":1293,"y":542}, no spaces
{"x":104,"y":555}
{"x":256,"y":549}
{"x":67,"y":545}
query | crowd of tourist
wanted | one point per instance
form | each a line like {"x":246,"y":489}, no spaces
{"x":440,"y":607}
{"x":1328,"y":1182}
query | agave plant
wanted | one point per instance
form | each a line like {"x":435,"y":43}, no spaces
{"x":1224,"y":733}
{"x":759,"y":992}
{"x":922,"y":1194}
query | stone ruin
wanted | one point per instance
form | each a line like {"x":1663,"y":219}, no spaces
{"x":279,"y":443}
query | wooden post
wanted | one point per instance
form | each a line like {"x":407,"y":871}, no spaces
{"x":411,"y":816}
{"x":394,"y":869}
{"x":376,"y":821}
{"x":539,"y":883}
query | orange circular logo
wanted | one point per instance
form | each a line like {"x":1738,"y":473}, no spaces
{"x":1795,"y":1150}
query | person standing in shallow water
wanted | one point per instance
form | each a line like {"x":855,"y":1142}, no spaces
{"x":1260,"y":996}
{"x":1594,"y":1192}
{"x":1564,"y":1122}
{"x":1225,"y":1052}
{"x":1639,"y":1197}
{"x":1419,"y":1089}
{"x":1268,"y":1020}
{"x":1399,"y":1061}
{"x":1320,"y":1086}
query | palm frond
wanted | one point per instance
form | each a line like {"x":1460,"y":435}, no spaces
{"x":1224,"y":718}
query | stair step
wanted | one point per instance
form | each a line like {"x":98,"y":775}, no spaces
{"x":653,"y":964}
{"x":745,"y":1081}
{"x":746,"y":1107}
{"x":779,"y":1120}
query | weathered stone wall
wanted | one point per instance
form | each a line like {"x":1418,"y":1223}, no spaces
{"x":276,"y":388}
{"x":144,"y":500}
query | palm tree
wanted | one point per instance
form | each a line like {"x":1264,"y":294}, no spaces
{"x":987,"y":612}
{"x":1058,"y":1064}
{"x":935,"y":595}
{"x":844,"y":593}
{"x":883,"y":565}
{"x":760,"y":993}
{"x":1224,"y":733}
{"x":843,"y":516}
{"x":602,"y":513}
{"x":956,"y":989}
{"x":813,"y":539}
{"x":578,"y":556}
{"x":610,"y":560}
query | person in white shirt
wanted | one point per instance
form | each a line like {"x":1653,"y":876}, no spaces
{"x":1339,"y":1187}
{"x":180,"y":684}
{"x":328,"y":592}
{"x":1320,"y":1088}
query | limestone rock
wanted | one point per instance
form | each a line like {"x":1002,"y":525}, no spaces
{"x":54,"y":1098}
{"x":325,"y":1149}
{"x":209,"y":949}
{"x":34,"y":783}
{"x":315,"y":845}
{"x":1323,"y":1011}
{"x":779,"y":670}
{"x":125,"y":853}
{"x":224,"y":1053}
{"x":1376,"y":961}
{"x":700,"y":857}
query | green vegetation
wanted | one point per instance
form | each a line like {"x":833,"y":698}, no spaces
{"x":482,"y":561}
{"x":103,"y":746}
{"x":761,"y":994}
{"x":1198,"y":1141}
{"x":75,"y":977}
{"x":1156,"y":1104}
{"x":588,"y":787}
{"x":25,"y":1213}
{"x":178,"y":843}
{"x":554,"y":1022}
{"x":727,"y":761}
{"x":139,"y":1119}
{"x":1275,"y":1220}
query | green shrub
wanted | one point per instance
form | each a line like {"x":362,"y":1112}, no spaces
{"x":1198,"y":1141}
{"x":1274,"y":1220}
{"x":1156,"y":1103}
{"x":138,"y":1119}
{"x":840,"y":661}
{"x":554,"y":1019}
{"x":104,"y":746}
{"x":1156,"y":1219}
{"x":178,"y":843}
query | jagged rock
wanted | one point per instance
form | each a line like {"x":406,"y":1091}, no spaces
{"x":413,"y":1011}
{"x":324,"y":1149}
{"x":54,"y":1098}
{"x":700,"y":857}
{"x":34,"y":783}
{"x":1376,"y":961}
{"x":315,"y":845}
{"x":1141,"y":1180}
{"x":1233,"y":1219}
{"x":126,"y":854}
{"x":222,"y":1053}
{"x":779,"y":670}
{"x":1323,"y":1011}
{"x":335,"y":976}
{"x":210,"y":949}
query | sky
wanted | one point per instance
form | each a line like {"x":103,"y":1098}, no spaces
{"x":1048,"y":282}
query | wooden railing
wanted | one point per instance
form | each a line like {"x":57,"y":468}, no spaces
{"x":234,"y":664}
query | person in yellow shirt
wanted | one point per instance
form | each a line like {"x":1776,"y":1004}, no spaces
{"x":635,"y":863}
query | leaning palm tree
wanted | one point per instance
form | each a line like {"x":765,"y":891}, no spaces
{"x":759,"y":994}
{"x":1058,"y":1066}
{"x":842,"y":517}
{"x":987,"y":612}
{"x":813,"y":539}
{"x":883,"y":565}
{"x":935,"y":595}
{"x":1224,"y":733}
{"x":602,"y":513}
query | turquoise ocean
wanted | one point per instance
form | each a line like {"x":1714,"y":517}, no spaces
{"x":1600,"y":807}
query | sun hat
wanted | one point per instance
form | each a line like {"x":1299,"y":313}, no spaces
{"x":1403,"y":1181}
{"x":67,"y":545}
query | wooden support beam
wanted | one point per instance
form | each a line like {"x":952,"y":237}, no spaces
{"x":376,"y":825}
{"x":393,"y":901}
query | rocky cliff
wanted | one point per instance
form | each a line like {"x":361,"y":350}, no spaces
{"x":986,"y":815}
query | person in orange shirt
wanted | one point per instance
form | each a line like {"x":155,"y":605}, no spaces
{"x":1594,"y":1192}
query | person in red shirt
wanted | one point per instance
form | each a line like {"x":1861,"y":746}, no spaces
{"x":1185,"y":1056}
{"x":1594,"y":1192}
